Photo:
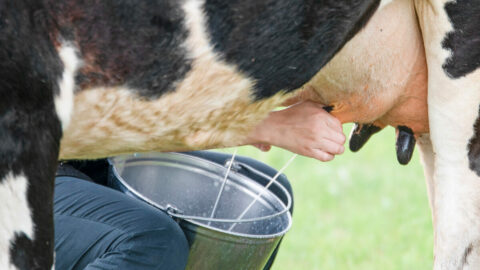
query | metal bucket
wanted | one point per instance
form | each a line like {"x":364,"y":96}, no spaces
{"x":187,"y":187}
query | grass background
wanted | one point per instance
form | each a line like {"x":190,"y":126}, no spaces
{"x":361,"y":211}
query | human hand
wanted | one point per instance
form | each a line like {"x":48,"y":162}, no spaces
{"x":304,"y":128}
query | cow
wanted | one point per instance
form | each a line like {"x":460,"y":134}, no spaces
{"x":387,"y":74}
{"x":451,"y":36}
{"x":88,"y":79}
{"x":378,"y":78}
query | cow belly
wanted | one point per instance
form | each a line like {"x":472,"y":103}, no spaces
{"x":380,"y":76}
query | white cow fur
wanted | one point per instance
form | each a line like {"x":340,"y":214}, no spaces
{"x":64,"y":101}
{"x":424,"y":145}
{"x":15,"y":213}
{"x":453,"y":109}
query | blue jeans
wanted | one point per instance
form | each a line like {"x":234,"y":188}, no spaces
{"x":97,"y":227}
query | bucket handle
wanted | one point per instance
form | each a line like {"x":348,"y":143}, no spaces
{"x":172,"y":211}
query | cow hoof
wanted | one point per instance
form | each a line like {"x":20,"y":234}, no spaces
{"x":405,"y":144}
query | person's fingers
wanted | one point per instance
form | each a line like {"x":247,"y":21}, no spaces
{"x":320,"y":155}
{"x":330,"y":147}
{"x":334,"y":123}
{"x":339,"y":138}
{"x":332,"y":135}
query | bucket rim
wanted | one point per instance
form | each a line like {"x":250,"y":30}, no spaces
{"x":193,"y":219}
{"x":205,"y":230}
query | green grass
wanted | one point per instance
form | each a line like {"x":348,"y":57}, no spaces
{"x":361,"y":211}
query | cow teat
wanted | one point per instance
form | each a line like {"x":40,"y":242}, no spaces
{"x":405,"y":141}
{"x":360,"y":135}
{"x":405,"y":144}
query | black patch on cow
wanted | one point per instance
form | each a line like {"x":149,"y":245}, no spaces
{"x":21,"y":252}
{"x":464,"y":40}
{"x":29,"y":71}
{"x":138,"y":44}
{"x":474,"y":147}
{"x":283,"y":43}
{"x":30,"y":130}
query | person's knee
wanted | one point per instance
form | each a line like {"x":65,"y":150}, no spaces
{"x":179,"y":247}
{"x":160,"y":244}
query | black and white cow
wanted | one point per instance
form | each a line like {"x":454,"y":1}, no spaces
{"x":379,"y":78}
{"x":120,"y":76}
{"x":109,"y":77}
{"x":451,"y":33}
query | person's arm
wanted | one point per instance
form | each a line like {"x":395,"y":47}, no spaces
{"x":304,"y":128}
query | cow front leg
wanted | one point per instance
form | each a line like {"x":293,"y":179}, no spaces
{"x":453,"y":100}
{"x":29,"y":145}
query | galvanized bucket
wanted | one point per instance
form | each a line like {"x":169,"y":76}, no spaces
{"x":242,"y":232}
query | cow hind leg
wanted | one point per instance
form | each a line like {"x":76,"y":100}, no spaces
{"x":29,"y":145}
{"x":453,"y":99}
{"x":455,"y":186}
{"x":424,"y":145}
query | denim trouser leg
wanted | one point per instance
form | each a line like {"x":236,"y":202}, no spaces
{"x":99,"y":228}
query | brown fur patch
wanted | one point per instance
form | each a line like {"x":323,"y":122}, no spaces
{"x":211,"y":107}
